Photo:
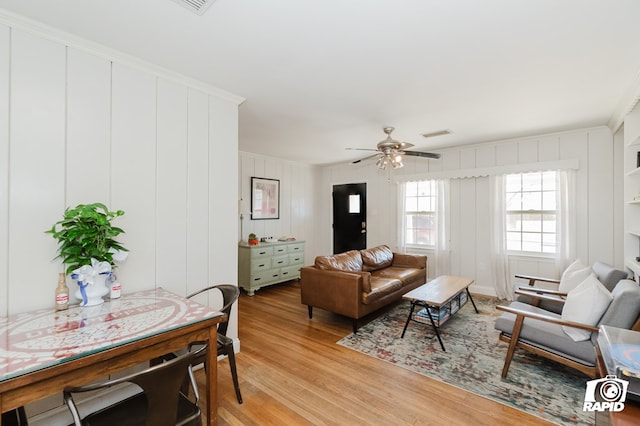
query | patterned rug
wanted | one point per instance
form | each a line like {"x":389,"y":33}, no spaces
{"x":474,"y":359}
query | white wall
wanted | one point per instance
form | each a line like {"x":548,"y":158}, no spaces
{"x":297,"y":200}
{"x":81,"y":124}
{"x":598,"y":188}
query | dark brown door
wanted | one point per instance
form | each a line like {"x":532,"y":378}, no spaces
{"x":349,"y":217}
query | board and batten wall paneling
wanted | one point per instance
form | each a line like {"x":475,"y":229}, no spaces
{"x":80,"y":124}
{"x":548,"y":148}
{"x":4,"y":164}
{"x":88,"y":128}
{"x":171,"y":187}
{"x":223,"y":190}
{"x":576,"y":145}
{"x":133,"y":173}
{"x":618,"y":197}
{"x":600,"y":193}
{"x":197,"y":191}
{"x":297,"y":199}
{"x":37,"y":164}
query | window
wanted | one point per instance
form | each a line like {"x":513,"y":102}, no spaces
{"x":531,"y":213}
{"x":420,"y":203}
{"x":354,"y":203}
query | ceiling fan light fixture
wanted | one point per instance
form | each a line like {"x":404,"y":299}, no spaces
{"x":396,"y":161}
{"x":391,"y":151}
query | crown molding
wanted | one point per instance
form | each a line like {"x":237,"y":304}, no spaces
{"x":15,"y":21}
{"x":626,"y":105}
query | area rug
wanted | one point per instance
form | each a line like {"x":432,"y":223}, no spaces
{"x":474,"y":359}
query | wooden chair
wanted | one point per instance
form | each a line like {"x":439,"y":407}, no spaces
{"x":160,"y":402}
{"x":554,"y":299}
{"x":539,"y":331}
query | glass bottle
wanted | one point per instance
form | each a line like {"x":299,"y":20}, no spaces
{"x":62,"y":293}
{"x":115,"y":286}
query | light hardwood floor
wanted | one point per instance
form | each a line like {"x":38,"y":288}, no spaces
{"x":292,"y":372}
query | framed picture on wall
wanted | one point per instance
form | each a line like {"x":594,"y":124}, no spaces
{"x":265,"y":198}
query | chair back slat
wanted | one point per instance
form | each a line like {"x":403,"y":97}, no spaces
{"x":230,"y":294}
{"x":161,"y":390}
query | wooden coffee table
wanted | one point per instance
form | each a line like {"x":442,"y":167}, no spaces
{"x":441,"y":298}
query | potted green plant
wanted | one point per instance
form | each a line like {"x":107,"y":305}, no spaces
{"x":253,"y":240}
{"x":87,"y":244}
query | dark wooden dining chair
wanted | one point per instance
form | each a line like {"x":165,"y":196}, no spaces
{"x":229,"y":295}
{"x":161,"y":401}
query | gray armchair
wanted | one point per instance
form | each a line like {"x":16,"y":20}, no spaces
{"x":606,"y":274}
{"x":540,"y":331}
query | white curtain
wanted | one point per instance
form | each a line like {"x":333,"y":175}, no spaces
{"x":402,"y":218}
{"x":499,"y":258}
{"x":566,"y":219}
{"x":565,"y":229}
{"x":442,"y":254}
{"x":441,"y":259}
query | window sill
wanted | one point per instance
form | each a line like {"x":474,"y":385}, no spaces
{"x":531,"y":255}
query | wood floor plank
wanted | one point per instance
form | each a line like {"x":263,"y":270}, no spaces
{"x":292,"y":372}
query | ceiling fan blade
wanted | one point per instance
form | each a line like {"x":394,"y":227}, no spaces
{"x":403,"y":145}
{"x":365,"y":158}
{"x":423,"y":154}
{"x":360,"y":149}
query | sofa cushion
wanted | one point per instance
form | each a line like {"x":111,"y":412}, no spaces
{"x":376,"y":258}
{"x":350,"y":261}
{"x":405,"y":275}
{"x":553,"y":336}
{"x":380,"y":287}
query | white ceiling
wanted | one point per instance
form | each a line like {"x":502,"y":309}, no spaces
{"x":320,"y":76}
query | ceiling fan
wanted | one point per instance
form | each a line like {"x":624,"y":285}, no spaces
{"x":390,"y":152}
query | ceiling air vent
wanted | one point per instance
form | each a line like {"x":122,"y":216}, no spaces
{"x":196,"y":6}
{"x":438,"y":133}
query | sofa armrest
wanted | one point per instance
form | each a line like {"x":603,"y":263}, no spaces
{"x":334,"y":291}
{"x":410,"y":260}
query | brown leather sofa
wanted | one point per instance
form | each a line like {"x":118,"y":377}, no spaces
{"x":356,"y":283}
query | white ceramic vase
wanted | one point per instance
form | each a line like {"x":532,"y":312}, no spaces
{"x":94,"y":291}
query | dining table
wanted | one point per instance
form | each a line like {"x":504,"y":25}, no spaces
{"x":43,"y":351}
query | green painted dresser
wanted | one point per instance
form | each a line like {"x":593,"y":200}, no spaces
{"x":269,"y":263}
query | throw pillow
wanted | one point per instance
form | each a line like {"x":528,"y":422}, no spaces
{"x":585,"y":304}
{"x":575,"y":274}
